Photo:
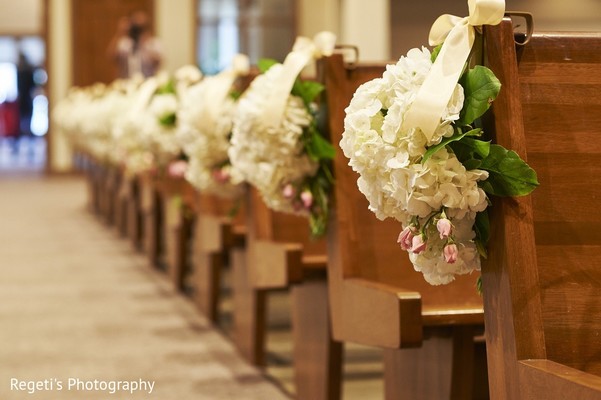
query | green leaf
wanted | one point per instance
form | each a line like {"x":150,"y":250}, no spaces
{"x":472,"y":163}
{"x":480,"y":87}
{"x":479,"y":285}
{"x":307,"y":90}
{"x":232,"y":212}
{"x":509,"y":175}
{"x":168,"y":88}
{"x":235,"y":94}
{"x":482,"y":227}
{"x":168,"y":120}
{"x":470,"y":151}
{"x":480,"y":148}
{"x":320,"y":186}
{"x":482,"y":230}
{"x":446,"y":141}
{"x":435,"y":52}
{"x":265,"y":63}
{"x":319,"y":148}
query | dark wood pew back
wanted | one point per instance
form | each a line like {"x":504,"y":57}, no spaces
{"x":543,"y":278}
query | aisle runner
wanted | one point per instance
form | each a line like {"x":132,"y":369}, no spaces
{"x":83,"y":316}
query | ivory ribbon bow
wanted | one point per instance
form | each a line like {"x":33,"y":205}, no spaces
{"x":186,"y":76}
{"x":220,"y":85}
{"x":146,"y":91}
{"x":303,"y":51}
{"x":457,"y":35}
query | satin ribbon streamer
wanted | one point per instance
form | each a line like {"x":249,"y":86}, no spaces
{"x":304,"y":50}
{"x":146,"y":91}
{"x":220,"y":85}
{"x":457,"y":35}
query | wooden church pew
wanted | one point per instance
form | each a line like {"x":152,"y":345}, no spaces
{"x":94,"y":174}
{"x":120,"y":204}
{"x":130,"y":190}
{"x":110,"y":191}
{"x":151,"y":210}
{"x":281,"y":255}
{"x":177,"y":198}
{"x":103,"y":183}
{"x":543,"y":277}
{"x":89,"y":170}
{"x":219,"y":228}
{"x":176,"y":195}
{"x":166,"y":226}
{"x":376,"y":297}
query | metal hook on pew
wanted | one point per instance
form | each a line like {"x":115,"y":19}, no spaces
{"x":522,"y":38}
{"x":345,"y":50}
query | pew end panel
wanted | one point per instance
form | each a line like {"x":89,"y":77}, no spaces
{"x":541,"y":281}
{"x":131,"y":189}
{"x":214,"y":237}
{"x":176,"y":226}
{"x":150,"y":206}
{"x":279,"y":246}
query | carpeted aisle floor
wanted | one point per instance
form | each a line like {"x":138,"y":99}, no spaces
{"x":82,"y":315}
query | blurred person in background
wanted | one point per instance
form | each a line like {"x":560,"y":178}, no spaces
{"x":25,"y":87}
{"x":134,"y":48}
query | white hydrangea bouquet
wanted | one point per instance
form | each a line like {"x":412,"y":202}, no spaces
{"x":275,"y":140}
{"x":414,"y":137}
{"x":86,"y":114}
{"x":146,"y":134}
{"x":205,"y":119}
{"x":69,"y":113}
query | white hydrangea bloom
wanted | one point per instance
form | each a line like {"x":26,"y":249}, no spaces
{"x":388,"y":156}
{"x":131,"y":138}
{"x":87,"y":116}
{"x":145,"y":133}
{"x":205,"y":140}
{"x":163,"y":105}
{"x":271,"y":158}
{"x":434,"y":267}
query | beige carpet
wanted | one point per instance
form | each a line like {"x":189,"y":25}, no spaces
{"x":78,"y":305}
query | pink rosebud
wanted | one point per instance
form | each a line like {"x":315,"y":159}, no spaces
{"x":450,"y":253}
{"x":288,"y":192}
{"x":406,"y":237}
{"x":418,"y":244}
{"x":444,"y":228}
{"x":307,"y":199}
{"x":221,"y":175}
{"x":177,"y":169}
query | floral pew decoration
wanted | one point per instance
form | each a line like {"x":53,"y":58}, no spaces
{"x":414,"y":137}
{"x":70,"y":112}
{"x":87,"y":116}
{"x":276,"y":143}
{"x":205,"y":120}
{"x":145,"y":135}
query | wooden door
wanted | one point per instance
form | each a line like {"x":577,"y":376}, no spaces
{"x":94,"y":24}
